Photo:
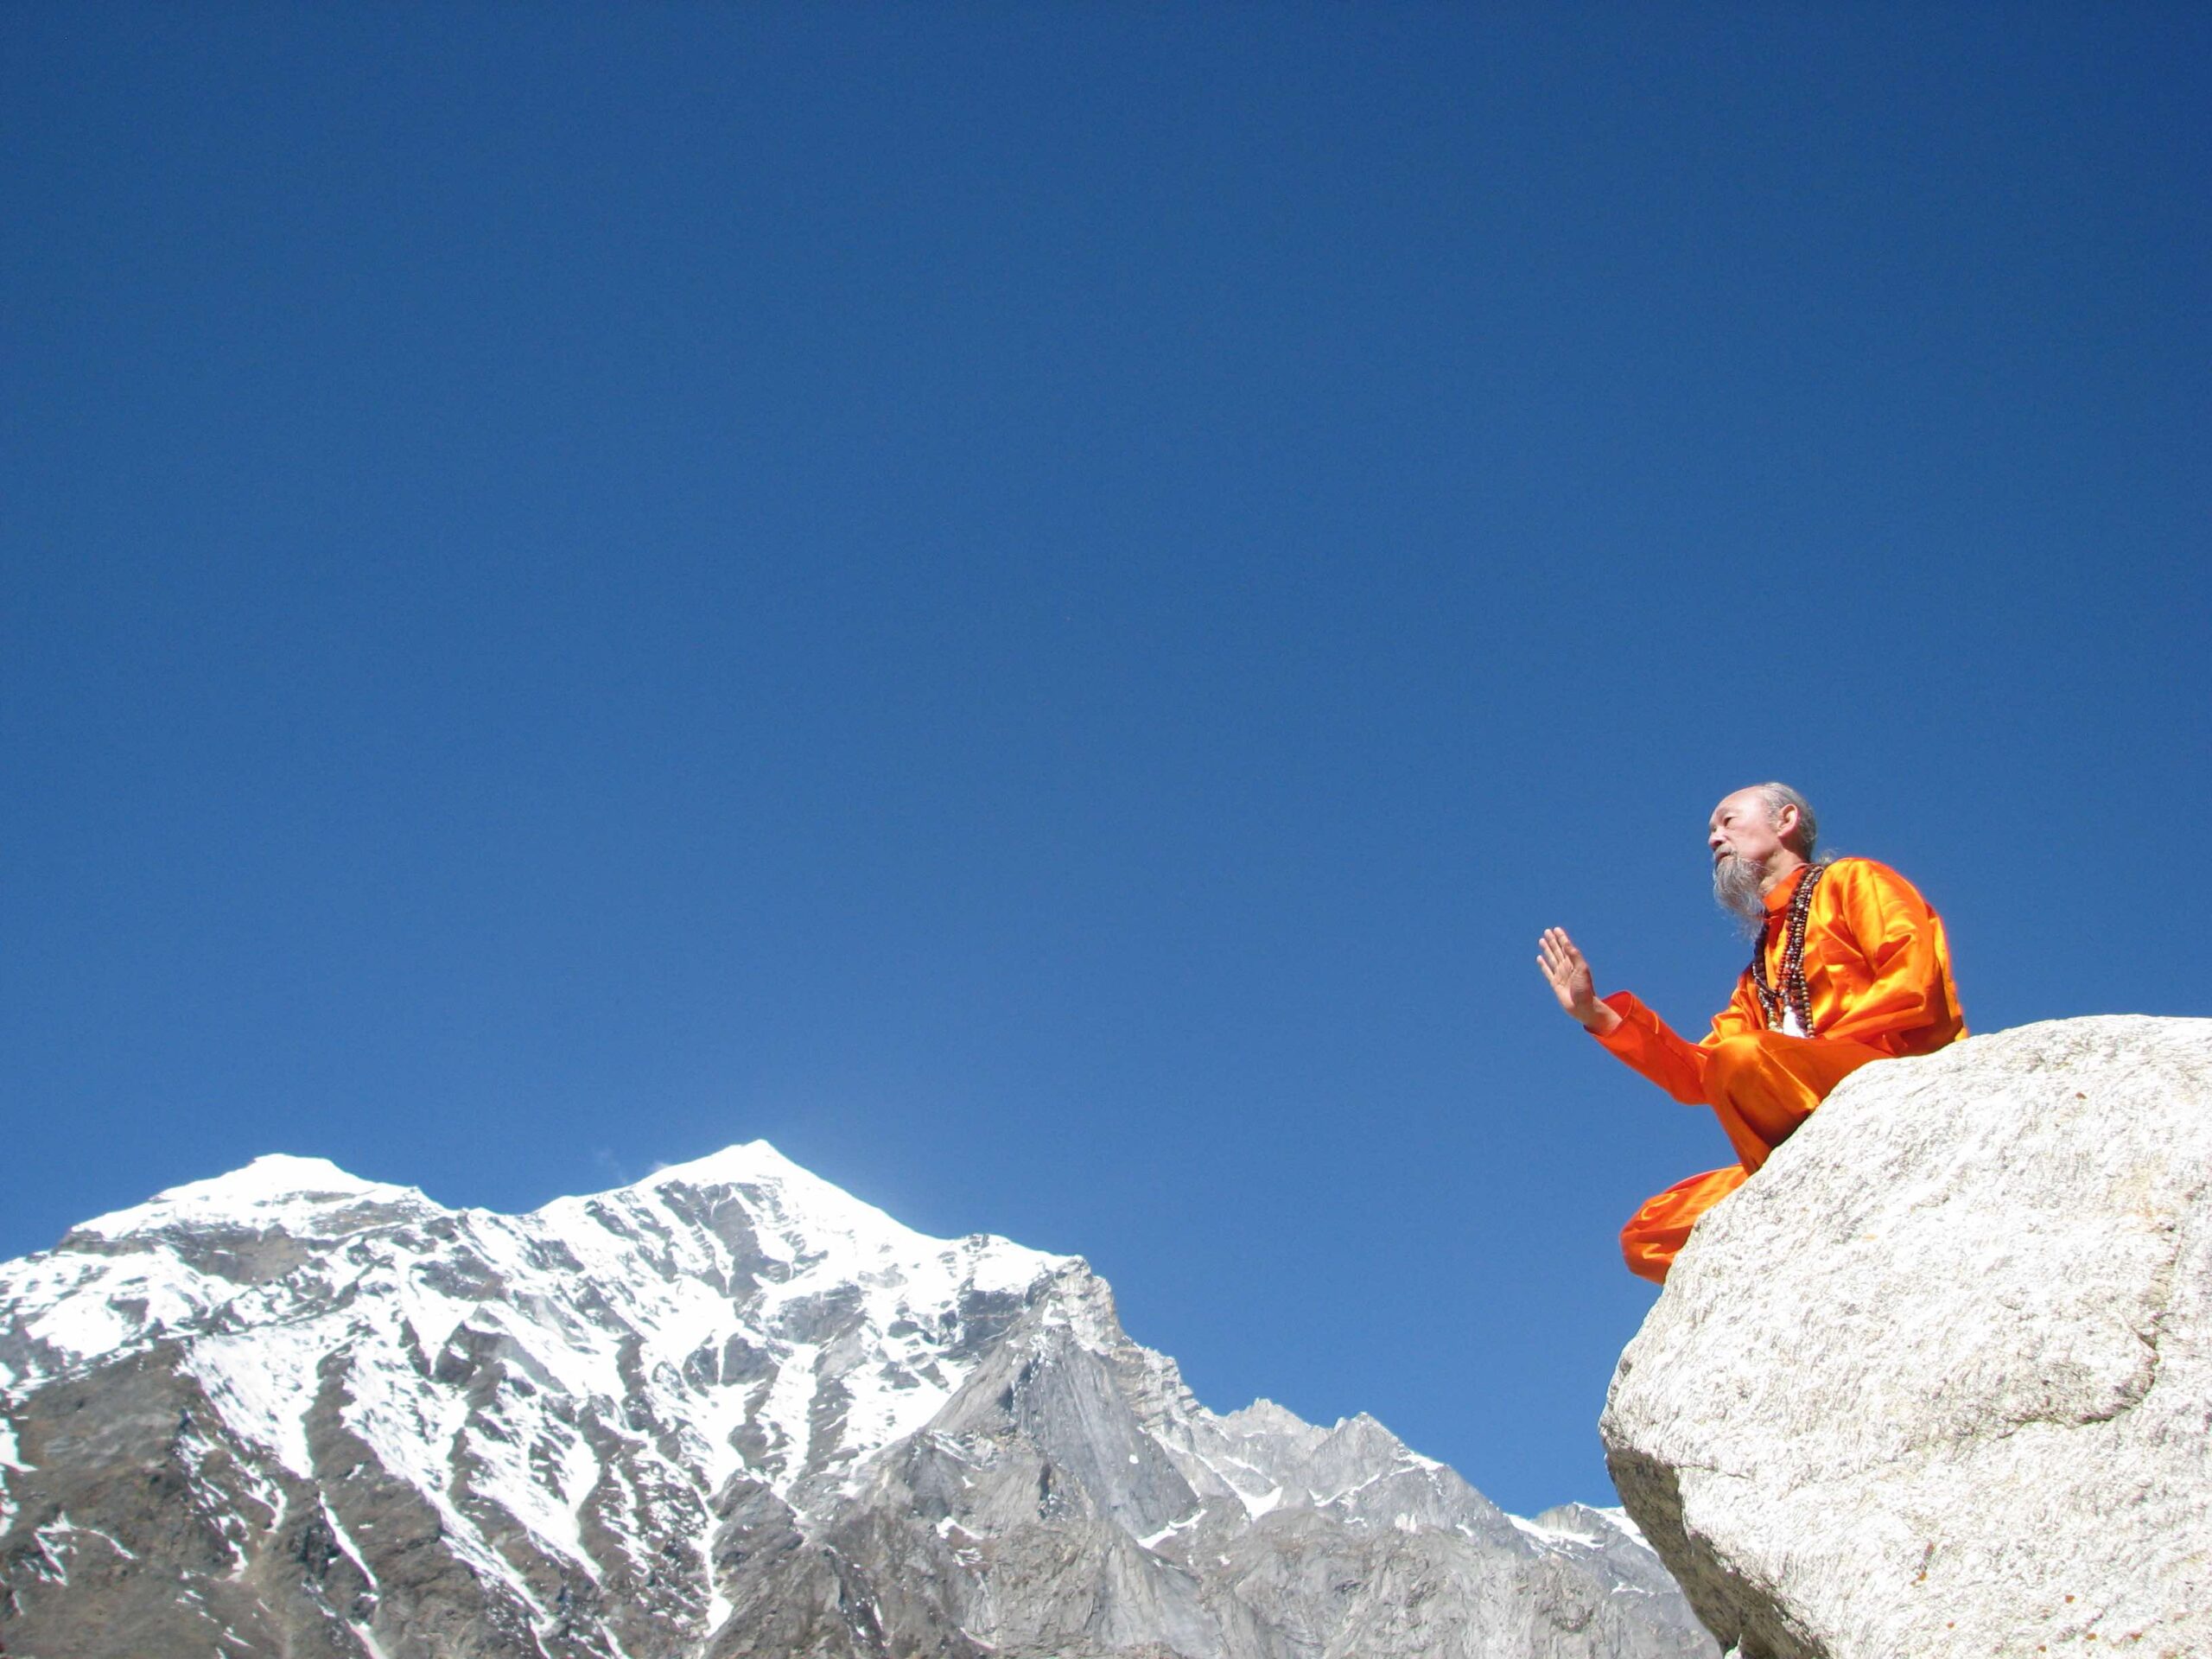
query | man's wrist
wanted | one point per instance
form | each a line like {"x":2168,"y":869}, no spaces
{"x":1603,"y":1020}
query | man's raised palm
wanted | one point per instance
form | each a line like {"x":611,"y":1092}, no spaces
{"x":1568,"y":973}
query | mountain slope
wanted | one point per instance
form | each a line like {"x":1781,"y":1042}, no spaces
{"x":726,"y":1410}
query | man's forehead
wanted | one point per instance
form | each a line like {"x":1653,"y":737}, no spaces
{"x":1741,"y":798}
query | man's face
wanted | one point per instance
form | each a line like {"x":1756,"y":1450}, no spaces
{"x":1743,"y":827}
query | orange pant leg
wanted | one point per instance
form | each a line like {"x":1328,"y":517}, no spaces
{"x":1662,"y":1224}
{"x":1763,"y":1085}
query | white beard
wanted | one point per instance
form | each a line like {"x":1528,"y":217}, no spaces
{"x":1736,"y":884}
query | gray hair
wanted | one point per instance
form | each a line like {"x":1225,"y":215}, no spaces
{"x":1808,"y":833}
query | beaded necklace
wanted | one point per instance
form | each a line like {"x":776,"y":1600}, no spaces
{"x":1792,"y":998}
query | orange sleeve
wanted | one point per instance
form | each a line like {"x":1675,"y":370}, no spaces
{"x":1645,"y":1043}
{"x":1908,"y":972}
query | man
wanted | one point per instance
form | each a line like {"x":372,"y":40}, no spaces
{"x":1850,"y":966}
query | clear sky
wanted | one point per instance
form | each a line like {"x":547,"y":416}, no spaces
{"x":1036,"y":605}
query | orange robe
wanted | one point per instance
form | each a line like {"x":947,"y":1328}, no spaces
{"x":1877,"y":978}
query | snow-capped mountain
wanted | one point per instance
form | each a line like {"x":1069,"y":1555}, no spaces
{"x":726,"y":1410}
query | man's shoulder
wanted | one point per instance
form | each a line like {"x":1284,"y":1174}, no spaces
{"x":1855,"y":872}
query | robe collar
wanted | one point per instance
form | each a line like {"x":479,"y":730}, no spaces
{"x":1777,"y":896}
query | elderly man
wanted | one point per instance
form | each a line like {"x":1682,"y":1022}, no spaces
{"x":1850,"y":966}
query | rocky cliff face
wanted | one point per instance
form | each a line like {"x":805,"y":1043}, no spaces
{"x":727,"y":1411}
{"x":1939,"y":1382}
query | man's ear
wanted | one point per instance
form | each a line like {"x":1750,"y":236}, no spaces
{"x":1785,"y":821}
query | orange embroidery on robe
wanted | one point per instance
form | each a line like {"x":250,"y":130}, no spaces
{"x":1878,"y":981}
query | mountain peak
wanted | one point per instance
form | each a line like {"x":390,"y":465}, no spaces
{"x":746,"y":1163}
{"x":275,"y":1190}
{"x":814,"y":1215}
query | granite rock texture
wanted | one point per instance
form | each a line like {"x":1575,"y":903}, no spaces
{"x":1938,"y":1381}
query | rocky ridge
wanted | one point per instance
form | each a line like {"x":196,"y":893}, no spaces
{"x":727,"y":1410}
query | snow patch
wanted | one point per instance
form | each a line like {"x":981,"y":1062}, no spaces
{"x":353,"y":1550}
{"x":1153,"y":1540}
{"x":262,"y":1384}
{"x":790,"y":1412}
{"x":1617,"y":1519}
{"x":1614,"y":1519}
{"x":57,"y":1546}
{"x":718,"y":1606}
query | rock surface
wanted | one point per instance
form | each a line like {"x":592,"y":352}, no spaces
{"x":1939,"y":1382}
{"x":727,"y":1411}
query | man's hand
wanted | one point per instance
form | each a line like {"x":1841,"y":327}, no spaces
{"x":1568,"y":975}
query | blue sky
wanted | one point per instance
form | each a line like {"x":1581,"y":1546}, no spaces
{"x":1038,"y":605}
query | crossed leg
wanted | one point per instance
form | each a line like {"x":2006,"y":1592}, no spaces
{"x":1763,"y":1085}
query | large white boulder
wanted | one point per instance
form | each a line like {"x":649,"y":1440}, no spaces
{"x":1939,"y":1381}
